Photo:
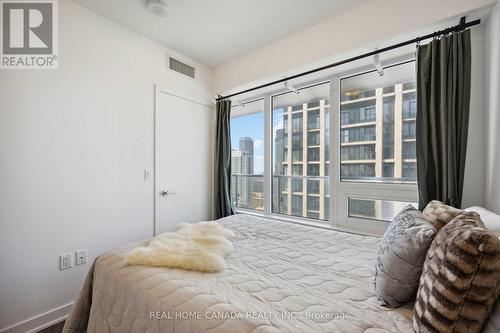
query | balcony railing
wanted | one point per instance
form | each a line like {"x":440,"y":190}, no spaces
{"x":302,"y":194}
{"x":247,"y":191}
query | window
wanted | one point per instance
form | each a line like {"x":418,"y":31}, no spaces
{"x":408,"y":129}
{"x":297,"y":155}
{"x":313,"y":139}
{"x":355,"y":113}
{"x":384,"y":210}
{"x":409,"y":150}
{"x":410,"y":170}
{"x":297,"y":123}
{"x":359,"y":173}
{"x":388,"y":127}
{"x":313,"y":120}
{"x":296,"y":142}
{"x":247,"y":155}
{"x":308,"y":175}
{"x":296,"y":208}
{"x":358,"y":152}
{"x":389,"y":103}
{"x":409,"y":105}
{"x":388,"y":170}
{"x":358,"y":134}
{"x":313,"y":169}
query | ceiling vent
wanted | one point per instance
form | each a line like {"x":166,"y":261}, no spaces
{"x":180,"y":67}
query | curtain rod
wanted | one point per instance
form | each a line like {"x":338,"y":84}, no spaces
{"x":459,"y":27}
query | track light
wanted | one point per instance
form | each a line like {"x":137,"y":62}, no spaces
{"x":378,"y":65}
{"x":291,"y":88}
{"x":157,"y":7}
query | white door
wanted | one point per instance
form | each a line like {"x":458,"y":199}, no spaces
{"x":183,"y":161}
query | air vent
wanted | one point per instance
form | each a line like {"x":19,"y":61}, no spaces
{"x":180,"y":67}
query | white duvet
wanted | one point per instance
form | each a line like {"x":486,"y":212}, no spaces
{"x":281,"y":277}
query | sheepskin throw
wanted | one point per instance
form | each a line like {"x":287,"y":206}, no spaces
{"x":439,"y":213}
{"x":199,"y":247}
{"x":461,"y":278}
{"x":401,"y":256}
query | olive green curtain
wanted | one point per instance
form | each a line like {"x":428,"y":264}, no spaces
{"x":443,"y":96}
{"x":222,"y":180}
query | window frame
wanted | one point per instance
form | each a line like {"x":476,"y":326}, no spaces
{"x":340,"y":191}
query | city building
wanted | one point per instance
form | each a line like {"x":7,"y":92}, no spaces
{"x":242,"y":162}
{"x":247,"y":145}
{"x":377,"y":134}
{"x":301,"y":161}
{"x":377,"y":143}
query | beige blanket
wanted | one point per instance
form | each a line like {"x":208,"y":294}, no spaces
{"x":282,"y":277}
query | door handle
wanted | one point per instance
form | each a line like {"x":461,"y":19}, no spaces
{"x":164,"y":193}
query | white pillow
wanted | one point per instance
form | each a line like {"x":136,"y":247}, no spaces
{"x":490,"y":219}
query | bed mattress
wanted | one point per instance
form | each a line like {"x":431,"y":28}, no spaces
{"x":282,"y":277}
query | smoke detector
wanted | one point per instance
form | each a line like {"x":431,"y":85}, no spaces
{"x":157,"y":7}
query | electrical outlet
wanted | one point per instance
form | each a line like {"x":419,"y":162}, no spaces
{"x":65,"y":261}
{"x":81,"y":257}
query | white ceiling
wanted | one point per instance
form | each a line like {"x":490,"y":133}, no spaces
{"x":214,"y":32}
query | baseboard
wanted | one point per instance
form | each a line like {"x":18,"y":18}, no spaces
{"x":41,"y":321}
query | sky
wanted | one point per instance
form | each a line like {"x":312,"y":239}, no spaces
{"x":253,"y":126}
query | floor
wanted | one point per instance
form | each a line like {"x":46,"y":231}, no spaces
{"x":56,"y":328}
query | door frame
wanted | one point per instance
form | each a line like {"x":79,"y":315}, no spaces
{"x":156,"y":188}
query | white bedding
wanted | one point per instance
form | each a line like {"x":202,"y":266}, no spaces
{"x":281,"y":277}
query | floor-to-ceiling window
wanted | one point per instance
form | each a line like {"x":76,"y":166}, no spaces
{"x":300,"y":131}
{"x":339,"y":150}
{"x":377,"y":133}
{"x":247,"y":155}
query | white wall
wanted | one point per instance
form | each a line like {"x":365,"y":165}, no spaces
{"x":474,"y":178}
{"x":73,"y":146}
{"x":493,"y":110}
{"x":361,"y":27}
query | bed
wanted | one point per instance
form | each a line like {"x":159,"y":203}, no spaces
{"x":282,"y":277}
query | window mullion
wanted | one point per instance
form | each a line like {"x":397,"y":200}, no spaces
{"x":334,"y":150}
{"x":268,"y":165}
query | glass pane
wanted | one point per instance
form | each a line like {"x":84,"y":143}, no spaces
{"x":300,"y":152}
{"x":384,"y":210}
{"x":377,"y":126}
{"x":247,"y":155}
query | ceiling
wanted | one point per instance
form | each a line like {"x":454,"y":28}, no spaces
{"x":213,"y":32}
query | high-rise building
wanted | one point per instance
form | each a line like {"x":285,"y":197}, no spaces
{"x":377,"y":142}
{"x":378,"y":133}
{"x":378,"y":139}
{"x":242,"y":167}
{"x":246,"y":144}
{"x":300,"y":180}
{"x":278,"y":156}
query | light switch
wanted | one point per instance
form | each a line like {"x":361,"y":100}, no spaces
{"x":147,"y":175}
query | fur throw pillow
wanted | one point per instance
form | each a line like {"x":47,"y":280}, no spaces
{"x":461,"y":278}
{"x":439,"y":213}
